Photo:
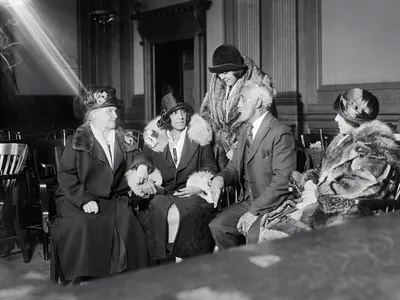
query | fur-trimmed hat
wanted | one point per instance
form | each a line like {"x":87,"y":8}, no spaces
{"x":357,"y":106}
{"x":227,"y":58}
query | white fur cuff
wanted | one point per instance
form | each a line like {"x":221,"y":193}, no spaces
{"x":132,"y":179}
{"x":200,"y":180}
{"x":270,"y":235}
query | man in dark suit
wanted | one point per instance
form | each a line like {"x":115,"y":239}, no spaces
{"x":262,"y":163}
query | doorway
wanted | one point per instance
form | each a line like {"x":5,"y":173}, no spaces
{"x":174,"y":71}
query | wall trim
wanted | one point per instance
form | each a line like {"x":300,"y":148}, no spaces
{"x":385,"y":91}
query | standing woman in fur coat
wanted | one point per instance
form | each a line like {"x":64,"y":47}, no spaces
{"x":181,"y":164}
{"x":96,"y":233}
{"x":363,"y":161}
{"x":219,"y":108}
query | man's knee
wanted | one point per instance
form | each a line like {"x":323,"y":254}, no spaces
{"x":215,"y":225}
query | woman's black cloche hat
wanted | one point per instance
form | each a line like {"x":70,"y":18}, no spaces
{"x":227,"y":58}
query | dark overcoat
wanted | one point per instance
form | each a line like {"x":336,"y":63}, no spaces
{"x":196,"y":167}
{"x":84,"y":241}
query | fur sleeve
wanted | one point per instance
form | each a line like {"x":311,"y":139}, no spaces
{"x":200,"y":180}
{"x":334,"y":204}
{"x":297,"y":180}
{"x":137,"y":189}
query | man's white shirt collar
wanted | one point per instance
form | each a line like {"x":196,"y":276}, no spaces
{"x":257,"y":124}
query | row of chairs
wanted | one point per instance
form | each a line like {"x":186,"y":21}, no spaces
{"x":38,"y":158}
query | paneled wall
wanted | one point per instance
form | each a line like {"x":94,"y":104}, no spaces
{"x":242,"y":24}
{"x":345,"y":44}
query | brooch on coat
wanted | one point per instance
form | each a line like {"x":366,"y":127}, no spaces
{"x":128,"y":139}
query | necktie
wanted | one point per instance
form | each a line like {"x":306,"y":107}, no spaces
{"x":249,"y":139}
{"x":175,"y":155}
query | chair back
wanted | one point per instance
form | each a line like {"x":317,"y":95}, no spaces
{"x":8,"y":135}
{"x":304,"y":160}
{"x":313,"y":139}
{"x":12,"y":158}
{"x":316,"y":144}
{"x":138,"y":136}
{"x":12,"y":163}
{"x":60,"y":134}
{"x":46,"y":157}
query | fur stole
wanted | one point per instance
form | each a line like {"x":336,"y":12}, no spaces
{"x":83,"y":139}
{"x":198,"y":132}
{"x":221,"y":113}
{"x":363,"y":164}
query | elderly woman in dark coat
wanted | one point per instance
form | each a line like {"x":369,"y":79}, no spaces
{"x":96,"y":233}
{"x":363,"y":161}
{"x":178,"y":146}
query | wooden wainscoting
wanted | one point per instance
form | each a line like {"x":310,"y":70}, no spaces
{"x":134,"y":113}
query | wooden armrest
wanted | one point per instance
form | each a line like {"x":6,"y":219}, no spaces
{"x":47,"y":165}
{"x":14,"y":176}
{"x":379,"y":202}
{"x":44,"y":197}
{"x":45,"y":221}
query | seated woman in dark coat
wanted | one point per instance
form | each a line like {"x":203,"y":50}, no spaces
{"x":178,"y":146}
{"x":363,"y":161}
{"x":96,"y":233}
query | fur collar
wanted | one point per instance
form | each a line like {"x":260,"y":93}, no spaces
{"x":199,"y":132}
{"x":83,"y":139}
{"x":221,"y":112}
{"x":373,"y":138}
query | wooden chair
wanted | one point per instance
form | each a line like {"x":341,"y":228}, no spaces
{"x":316,"y":144}
{"x":8,"y":135}
{"x":46,"y":155}
{"x":304,"y":160}
{"x":12,"y":163}
{"x":138,"y":136}
{"x":60,"y":134}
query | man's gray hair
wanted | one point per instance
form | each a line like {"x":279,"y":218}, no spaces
{"x":261,"y":91}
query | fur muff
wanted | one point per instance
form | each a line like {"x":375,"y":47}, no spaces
{"x":200,"y":180}
{"x":133,"y":182}
{"x":83,"y":139}
{"x":199,"y":131}
{"x":222,"y":113}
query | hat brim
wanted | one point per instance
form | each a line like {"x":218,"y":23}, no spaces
{"x":226,"y":68}
{"x":179,"y":105}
